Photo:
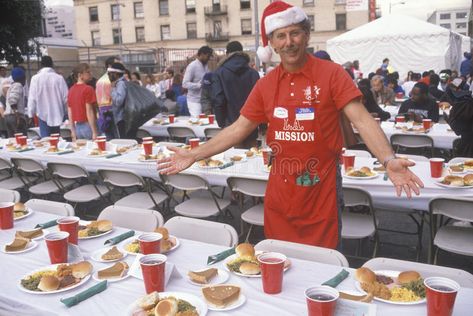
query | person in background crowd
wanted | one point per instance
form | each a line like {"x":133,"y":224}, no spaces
{"x":369,"y":102}
{"x":232,"y":83}
{"x":3,"y":76}
{"x":152,"y":85}
{"x":127,"y":75}
{"x":47,"y":98}
{"x":425,"y":78}
{"x":348,"y":66}
{"x":433,"y":87}
{"x":420,"y":105}
{"x":166,"y":83}
{"x":206,"y":95}
{"x":322,"y":55}
{"x":382,"y":95}
{"x":104,"y":100}
{"x":116,"y":73}
{"x":465,"y":67}
{"x":407,"y":79}
{"x":444,"y":80}
{"x":407,"y":86}
{"x":454,"y":75}
{"x":3,"y":102}
{"x":356,"y":70}
{"x":14,"y":110}
{"x":82,"y":105}
{"x":371,"y":75}
{"x":392,"y":83}
{"x":195,"y":71}
{"x":136,"y":78}
{"x":176,"y":86}
{"x":170,"y":102}
{"x":182,"y":104}
{"x":385,"y":65}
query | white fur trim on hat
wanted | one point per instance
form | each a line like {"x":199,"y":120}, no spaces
{"x":284,"y":18}
{"x":264,"y":53}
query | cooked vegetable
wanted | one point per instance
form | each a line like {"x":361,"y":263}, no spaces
{"x":417,"y":287}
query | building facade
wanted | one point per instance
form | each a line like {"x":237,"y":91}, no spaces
{"x":58,"y":22}
{"x":142,"y":31}
{"x":455,"y":20}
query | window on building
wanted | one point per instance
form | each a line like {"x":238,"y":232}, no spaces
{"x":308,"y":2}
{"x":444,"y":16}
{"x":341,"y":21}
{"x":246,"y":27}
{"x":312,"y":22}
{"x":446,"y":25}
{"x":190,"y":6}
{"x":165,"y":32}
{"x":117,"y":36}
{"x":115,"y":12}
{"x":245,"y":4}
{"x":461,"y":25}
{"x":95,"y":38}
{"x":340,"y":1}
{"x":192,"y":30}
{"x":93,"y":14}
{"x":139,"y":12}
{"x":461,"y":15}
{"x":140,"y":34}
{"x":163,"y":7}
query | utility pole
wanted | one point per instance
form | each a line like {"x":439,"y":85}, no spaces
{"x":257,"y":62}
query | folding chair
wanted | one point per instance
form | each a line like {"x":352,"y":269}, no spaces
{"x":33,"y":134}
{"x":359,"y":153}
{"x":447,"y":237}
{"x":254,"y":188}
{"x":132,"y":218}
{"x":50,"y":207}
{"x":9,"y":196}
{"x":359,"y":226}
{"x":122,"y":179}
{"x":211,"y":132}
{"x":203,"y":231}
{"x":411,"y":141}
{"x":303,"y":252}
{"x":65,"y":133}
{"x":195,"y":206}
{"x":142,"y":133}
{"x":9,"y":180}
{"x":178,"y":133}
{"x":465,"y":279}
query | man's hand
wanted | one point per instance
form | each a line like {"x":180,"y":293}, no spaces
{"x":402,"y":178}
{"x":182,"y":159}
{"x":73,"y":135}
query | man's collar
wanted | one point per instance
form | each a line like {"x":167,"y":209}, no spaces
{"x":46,"y":69}
{"x":306,"y":69}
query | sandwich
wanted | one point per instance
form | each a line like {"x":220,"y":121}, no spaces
{"x":95,"y":152}
{"x":112,"y":254}
{"x":163,"y":231}
{"x":18,"y":244}
{"x":221,"y":295}
{"x":149,"y":301}
{"x":457,"y":168}
{"x":245,"y":254}
{"x":363,"y":172}
{"x":52,"y":149}
{"x":81,"y":269}
{"x":249,"y":153}
{"x":468,"y":180}
{"x":166,"y":307}
{"x":215,"y":163}
{"x":118,"y":270}
{"x":166,"y":242}
{"x":19,"y":209}
{"x":81,"y":142}
{"x":468,"y":163}
{"x":104,"y":225}
{"x":365,"y":275}
{"x":203,"y":277}
{"x":236,"y":158}
{"x":48,"y":283}
{"x":455,"y":181}
{"x":30,"y":234}
{"x":407,"y":277}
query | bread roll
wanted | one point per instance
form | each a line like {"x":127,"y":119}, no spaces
{"x":468,"y":179}
{"x":163,"y":231}
{"x":454,"y":181}
{"x":245,"y":250}
{"x":48,"y":283}
{"x":408,"y":276}
{"x":365,"y":275}
{"x":81,"y":269}
{"x":19,"y":207}
{"x":249,"y":268}
{"x":104,"y":225}
{"x":166,"y":307}
{"x":149,"y":301}
{"x":366,"y":170}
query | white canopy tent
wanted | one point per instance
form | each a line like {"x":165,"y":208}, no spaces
{"x":409,"y":43}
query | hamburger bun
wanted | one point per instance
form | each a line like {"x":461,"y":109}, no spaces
{"x":454,"y":181}
{"x":365,"y":275}
{"x":149,"y":301}
{"x":408,"y":276}
{"x":245,"y":250}
{"x":104,"y":225}
{"x":48,"y":283}
{"x":163,"y":231}
{"x":250,"y":268}
{"x":19,"y":207}
{"x":365,"y":170}
{"x":468,"y":179}
{"x":166,"y":307}
{"x":249,"y":153}
{"x":81,"y":269}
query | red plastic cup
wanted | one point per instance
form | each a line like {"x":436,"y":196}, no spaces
{"x":148,"y":148}
{"x":6,"y":215}
{"x":211,"y":118}
{"x":57,"y":246}
{"x":70,"y":224}
{"x":101,"y":137}
{"x":55,"y":135}
{"x":147,"y":139}
{"x":427,"y":124}
{"x":441,"y":294}
{"x":348,"y":160}
{"x":202,"y":115}
{"x":53,"y":141}
{"x":266,"y":153}
{"x":321,"y":300}
{"x":101,"y":144}
{"x":171,"y":118}
{"x":150,"y":243}
{"x":153,"y":268}
{"x":16,"y":137}
{"x":436,"y":167}
{"x":194,"y":142}
{"x":272,"y":270}
{"x":22,"y":140}
{"x":377,"y":119}
{"x":400,"y":119}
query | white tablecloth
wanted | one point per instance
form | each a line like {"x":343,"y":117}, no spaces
{"x":181,"y":121}
{"x":189,"y":255}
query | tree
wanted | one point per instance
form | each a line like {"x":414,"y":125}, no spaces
{"x":20,"y":22}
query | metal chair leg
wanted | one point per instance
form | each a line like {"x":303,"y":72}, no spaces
{"x":249,"y":232}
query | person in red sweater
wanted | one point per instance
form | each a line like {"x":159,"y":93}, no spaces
{"x":82,"y":105}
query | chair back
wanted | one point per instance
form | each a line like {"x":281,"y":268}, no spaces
{"x":251,"y":187}
{"x":56,"y":208}
{"x":202,"y":230}
{"x":33,"y":134}
{"x":418,"y":158}
{"x":304,"y":252}
{"x":132,"y":218}
{"x":142,"y":133}
{"x":66,"y":170}
{"x":123,"y":142}
{"x":120,"y":178}
{"x":355,"y":196}
{"x":27,"y":165}
{"x":359,"y":153}
{"x":180,"y":132}
{"x":65,"y":133}
{"x":9,"y":196}
{"x":457,"y":208}
{"x":211,"y":132}
{"x":185,"y":182}
{"x":465,"y":279}
{"x":5,"y":165}
{"x":412,"y":141}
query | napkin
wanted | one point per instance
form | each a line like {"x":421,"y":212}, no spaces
{"x":73,"y":253}
{"x":47,"y":224}
{"x":26,"y":149}
{"x":228,"y":164}
{"x":65,"y":152}
{"x":169,"y":271}
{"x":220,"y":256}
{"x":112,"y":155}
{"x":336,"y":280}
{"x":82,"y":296}
{"x":119,"y":238}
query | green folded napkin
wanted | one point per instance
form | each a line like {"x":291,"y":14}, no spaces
{"x":26,"y":149}
{"x":82,"y":296}
{"x":47,"y":224}
{"x":336,"y":280}
{"x":65,"y":152}
{"x":228,"y":164}
{"x":220,"y":256}
{"x":112,"y":155}
{"x":119,"y":238}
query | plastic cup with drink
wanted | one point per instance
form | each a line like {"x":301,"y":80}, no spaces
{"x":153,"y":268}
{"x":70,"y":224}
{"x":272,"y":270}
{"x":57,"y":246}
{"x":6,"y":215}
{"x":321,"y":300}
{"x":150,"y":243}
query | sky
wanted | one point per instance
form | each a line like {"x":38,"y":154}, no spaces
{"x":418,"y":8}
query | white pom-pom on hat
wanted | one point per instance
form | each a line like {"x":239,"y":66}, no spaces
{"x":264,"y":53}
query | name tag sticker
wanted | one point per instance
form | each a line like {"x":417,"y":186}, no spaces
{"x":281,"y":113}
{"x":305,"y":114}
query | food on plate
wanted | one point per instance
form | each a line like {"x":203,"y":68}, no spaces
{"x":365,"y":275}
{"x":457,"y":168}
{"x":95,"y":228}
{"x":414,"y":128}
{"x":81,"y":269}
{"x":468,"y":179}
{"x":118,"y":270}
{"x":209,"y":163}
{"x":468,"y":163}
{"x":133,"y":247}
{"x":30,"y":234}
{"x":38,"y":143}
{"x":455,"y":181}
{"x":112,"y":254}
{"x":416,"y":286}
{"x":154,"y":305}
{"x":19,"y":210}
{"x":250,"y":268}
{"x":401,"y":294}
{"x":81,"y":142}
{"x":149,"y":301}
{"x":384,"y":279}
{"x":360,"y":173}
{"x":166,"y":307}
{"x":123,"y":149}
{"x":249,"y":153}
{"x":378,"y":290}
{"x":256,"y":151}
{"x":221,"y":295}
{"x":18,"y":244}
{"x":95,"y":152}
{"x":407,"y":277}
{"x":245,"y":261}
{"x":167,"y":243}
{"x":379,"y":168}
{"x":48,"y":283}
{"x":236,"y":158}
{"x":203,"y":277}
{"x":52,"y":149}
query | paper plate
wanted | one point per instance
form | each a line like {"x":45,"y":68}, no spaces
{"x":197,"y":302}
{"x":439,"y":183}
{"x":362,"y":178}
{"x":128,"y":241}
{"x":221,"y":277}
{"x":241,"y":300}
{"x":31,"y":245}
{"x":85,"y":223}
{"x":95,"y":276}
{"x":28,"y":213}
{"x":287,"y":265}
{"x":97,"y":255}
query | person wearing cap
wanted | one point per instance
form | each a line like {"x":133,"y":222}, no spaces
{"x":420,"y":105}
{"x":14,"y":111}
{"x":116,"y":75}
{"x":206,"y":95}
{"x":302,"y":100}
{"x":103,"y":89}
{"x":47,"y":98}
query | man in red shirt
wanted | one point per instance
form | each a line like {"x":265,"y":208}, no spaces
{"x":82,"y":105}
{"x":302,"y":100}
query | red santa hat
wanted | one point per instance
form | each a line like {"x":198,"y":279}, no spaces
{"x":276,"y":15}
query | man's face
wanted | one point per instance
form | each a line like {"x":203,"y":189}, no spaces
{"x":290,"y":43}
{"x":417,"y":96}
{"x":3,"y":72}
{"x":113,"y":76}
{"x":377,"y":85}
{"x":204,"y":58}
